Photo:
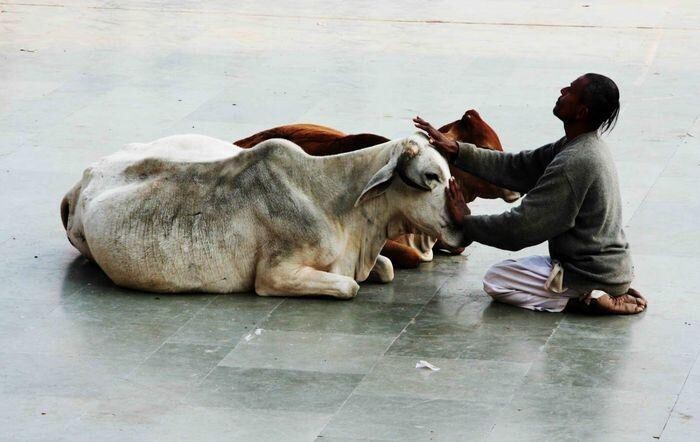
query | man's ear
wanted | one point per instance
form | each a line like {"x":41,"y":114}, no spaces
{"x":379,"y":182}
{"x":582,"y":112}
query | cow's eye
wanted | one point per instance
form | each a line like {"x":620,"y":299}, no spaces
{"x":432,"y":176}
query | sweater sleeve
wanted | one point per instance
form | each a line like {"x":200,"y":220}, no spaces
{"x":515,"y":171}
{"x":548,"y":210}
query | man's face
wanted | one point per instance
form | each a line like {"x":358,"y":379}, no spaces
{"x":569,"y":107}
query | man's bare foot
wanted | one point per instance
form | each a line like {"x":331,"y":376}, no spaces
{"x":641,"y":300}
{"x":630,"y":303}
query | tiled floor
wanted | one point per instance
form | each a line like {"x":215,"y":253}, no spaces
{"x":83,"y":360}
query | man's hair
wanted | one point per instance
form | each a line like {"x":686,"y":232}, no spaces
{"x":602,"y":98}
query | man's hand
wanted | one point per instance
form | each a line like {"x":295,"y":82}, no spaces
{"x":455,"y":202}
{"x":440,"y":141}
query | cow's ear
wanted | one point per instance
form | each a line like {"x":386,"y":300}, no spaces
{"x":379,"y":182}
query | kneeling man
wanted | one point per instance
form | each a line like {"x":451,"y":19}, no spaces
{"x":572,"y":200}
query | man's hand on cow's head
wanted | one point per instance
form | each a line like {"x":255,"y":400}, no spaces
{"x":440,"y":141}
{"x":455,"y":202}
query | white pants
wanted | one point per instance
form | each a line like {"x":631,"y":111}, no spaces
{"x":525,"y":283}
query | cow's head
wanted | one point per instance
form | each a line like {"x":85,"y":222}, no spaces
{"x":415,"y":179}
{"x":472,"y":129}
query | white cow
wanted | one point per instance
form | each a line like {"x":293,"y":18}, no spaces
{"x":190,"y":213}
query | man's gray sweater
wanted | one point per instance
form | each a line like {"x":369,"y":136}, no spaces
{"x":572,"y":200}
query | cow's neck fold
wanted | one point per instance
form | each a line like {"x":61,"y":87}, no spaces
{"x":369,"y":229}
{"x":370,"y":219}
{"x":373,"y":221}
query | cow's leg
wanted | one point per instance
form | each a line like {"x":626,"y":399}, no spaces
{"x":383,"y":270}
{"x":401,"y":256}
{"x":442,"y":248}
{"x":289,"y":280}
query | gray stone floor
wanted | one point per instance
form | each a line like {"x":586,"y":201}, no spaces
{"x":83,"y":360}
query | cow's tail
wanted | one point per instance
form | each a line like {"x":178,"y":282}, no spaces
{"x":72,"y":222}
{"x":68,"y":204}
{"x":65,"y":210}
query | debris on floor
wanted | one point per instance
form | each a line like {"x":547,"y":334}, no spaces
{"x":250,"y":336}
{"x":426,"y":364}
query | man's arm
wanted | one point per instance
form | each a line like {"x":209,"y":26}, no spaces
{"x":517,"y":172}
{"x":547,"y":211}
{"x":514,"y":171}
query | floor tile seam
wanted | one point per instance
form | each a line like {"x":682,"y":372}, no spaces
{"x":310,"y":370}
{"x":75,"y":421}
{"x":342,"y":405}
{"x":34,"y":138}
{"x":417,"y":398}
{"x":691,"y":355}
{"x":678,"y":396}
{"x":659,"y":397}
{"x":296,"y":369}
{"x":109,"y":322}
{"x":158,"y":391}
{"x":383,"y":354}
{"x":206,"y":376}
{"x":503,"y":409}
{"x":376,"y":362}
{"x":463,"y":357}
{"x":531,"y":363}
{"x":238,"y":407}
{"x":166,"y":340}
{"x":554,"y":330}
{"x":81,"y":355}
{"x":449,"y":396}
{"x":666,"y":165}
{"x":421,"y":400}
{"x":360,"y":19}
{"x":349,"y":335}
{"x":602,"y":389}
{"x":413,"y":318}
{"x":58,"y":305}
{"x":469,"y":334}
{"x":503,"y":412}
{"x":75,"y":356}
{"x":651,"y":319}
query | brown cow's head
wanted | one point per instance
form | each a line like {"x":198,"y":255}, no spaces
{"x":472,"y":129}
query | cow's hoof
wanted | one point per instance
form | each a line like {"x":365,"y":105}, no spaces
{"x":383,"y":270}
{"x":348,"y":290}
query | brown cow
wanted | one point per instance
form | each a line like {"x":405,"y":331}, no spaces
{"x":321,"y":140}
{"x":314,"y":139}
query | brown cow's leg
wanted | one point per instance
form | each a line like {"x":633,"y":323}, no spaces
{"x":383,"y":270}
{"x":401,"y":256}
